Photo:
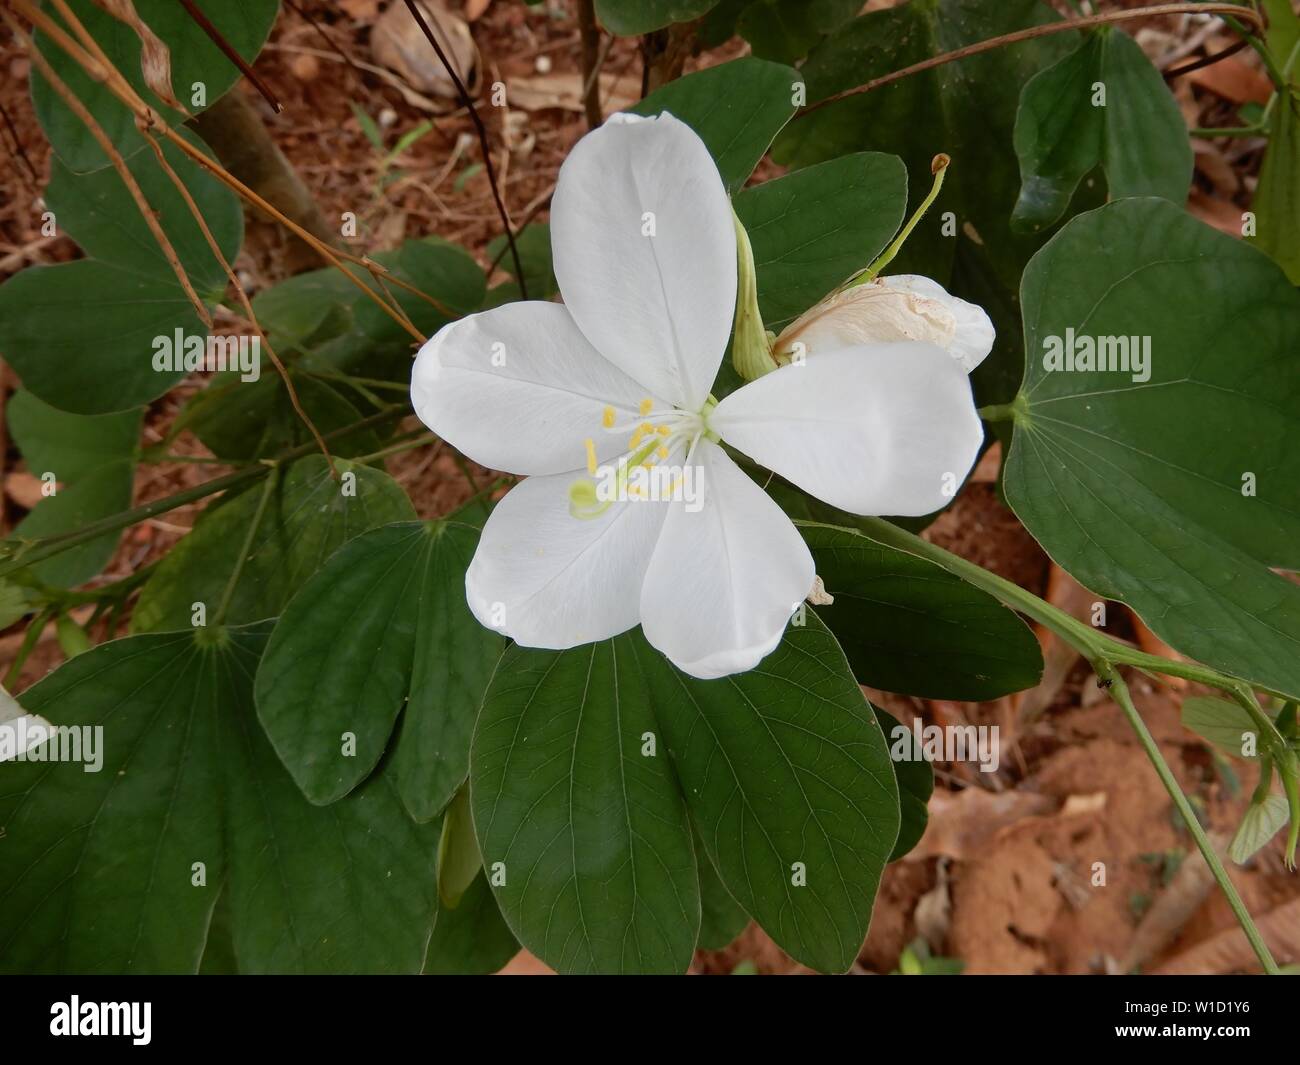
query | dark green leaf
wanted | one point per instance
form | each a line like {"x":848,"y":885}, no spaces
{"x":82,"y":335}
{"x":100,"y":214}
{"x":472,"y":939}
{"x":909,"y":626}
{"x":1176,"y":491}
{"x":584,"y":836}
{"x":93,"y":463}
{"x":786,"y":30}
{"x":787,"y":774}
{"x":736,"y":108}
{"x":195,"y":61}
{"x":398,"y":593}
{"x":915,"y":779}
{"x":721,"y":917}
{"x":1065,"y":128}
{"x":630,"y":18}
{"x":965,"y":109}
{"x":813,"y":229}
{"x":445,"y":272}
{"x":308,"y":516}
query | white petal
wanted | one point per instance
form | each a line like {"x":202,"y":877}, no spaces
{"x":902,"y":307}
{"x":874,"y":429}
{"x":725,"y":579}
{"x":973,"y":335}
{"x":548,"y":579}
{"x":659,"y":307}
{"x":519,"y":389}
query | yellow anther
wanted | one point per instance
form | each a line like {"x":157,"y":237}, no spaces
{"x":662,"y":430}
{"x":636,"y":438}
{"x":591,"y":456}
{"x":663,"y":452}
{"x":607,"y":419}
{"x":646,"y":406}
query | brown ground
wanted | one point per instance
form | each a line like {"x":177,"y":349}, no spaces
{"x":1003,"y":878}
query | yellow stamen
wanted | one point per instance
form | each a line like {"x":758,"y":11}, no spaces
{"x":646,"y":406}
{"x":662,"y":430}
{"x":663,"y":452}
{"x":607,"y":419}
{"x":591,"y":456}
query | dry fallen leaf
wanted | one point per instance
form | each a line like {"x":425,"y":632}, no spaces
{"x":564,"y":91}
{"x":155,"y":59}
{"x":23,"y":488}
{"x":399,"y":43}
{"x":1234,"y":80}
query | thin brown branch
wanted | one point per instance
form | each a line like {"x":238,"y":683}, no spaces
{"x":105,"y":73}
{"x":1246,"y":14}
{"x":481,"y":129}
{"x":592,"y":56}
{"x":19,"y":151}
{"x":243,"y":299}
{"x":1205,"y":60}
{"x":228,"y":50}
{"x":119,"y":164}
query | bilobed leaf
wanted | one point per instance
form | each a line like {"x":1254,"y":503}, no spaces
{"x":737,"y":108}
{"x":1065,"y":129}
{"x":348,"y":888}
{"x":909,"y":626}
{"x":398,"y":593}
{"x":195,"y":62}
{"x":587,"y":833}
{"x":812,"y":229}
{"x":630,"y":18}
{"x":92,"y":460}
{"x":786,"y":772}
{"x":1176,"y":491}
{"x":307,"y":517}
{"x":119,"y":870}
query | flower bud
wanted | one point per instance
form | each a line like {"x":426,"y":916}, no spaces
{"x":902,"y":307}
{"x":751,"y":346}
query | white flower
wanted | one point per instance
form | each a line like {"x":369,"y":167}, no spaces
{"x":645,"y":256}
{"x":901,"y":307}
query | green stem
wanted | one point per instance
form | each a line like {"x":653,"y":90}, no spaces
{"x":1119,"y":692}
{"x":1105,"y":654}
{"x":30,"y":637}
{"x":1229,"y":131}
{"x":419,"y":439}
{"x":938,"y":167}
{"x":228,"y":593}
{"x":26,"y":553}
